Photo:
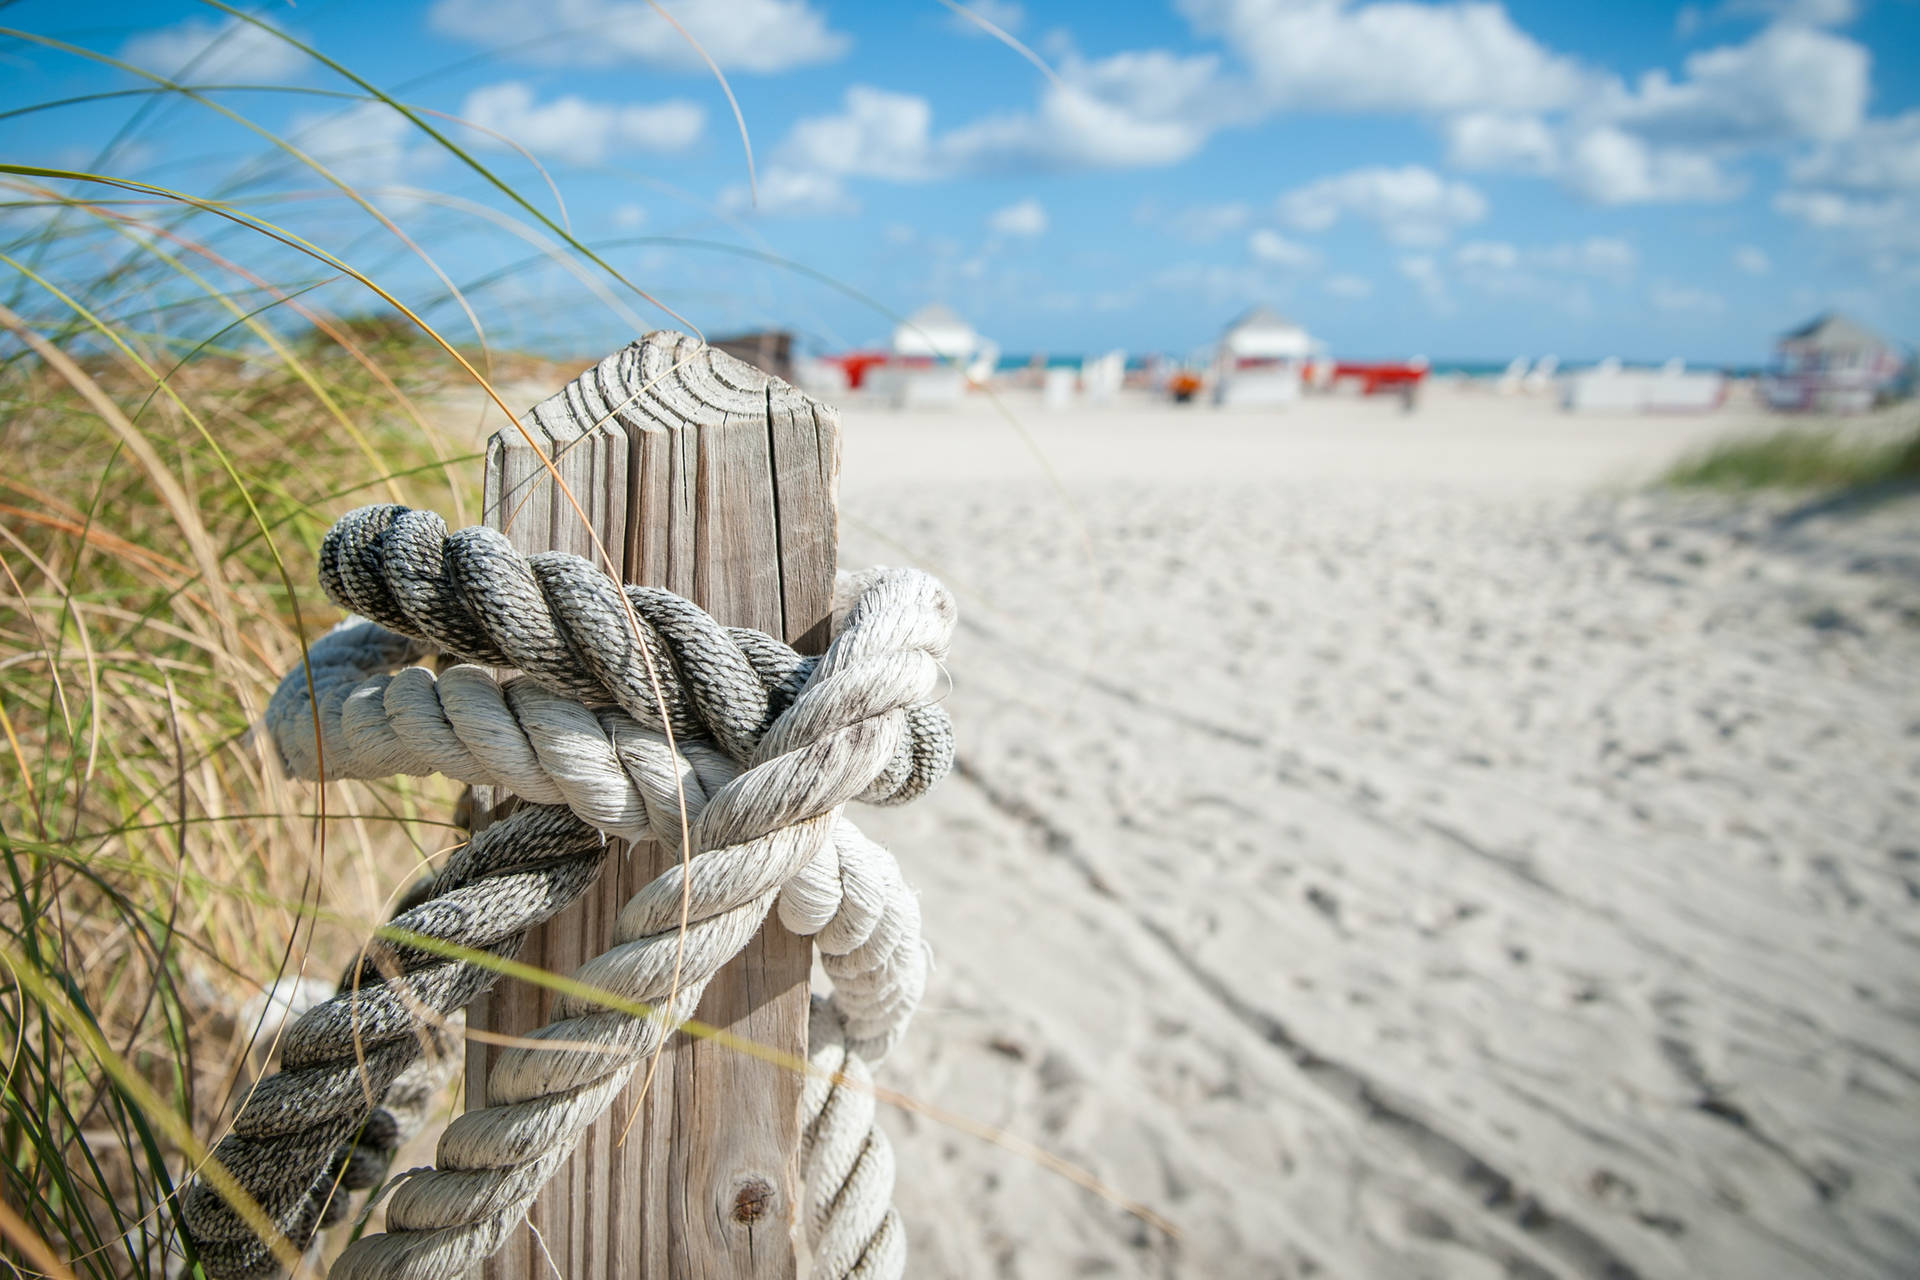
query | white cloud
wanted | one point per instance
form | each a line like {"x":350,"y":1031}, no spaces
{"x":1864,"y":192}
{"x":1883,"y":155}
{"x":744,"y":35}
{"x":1412,"y":205}
{"x":1866,"y":225}
{"x":208,"y":51}
{"x":1610,"y":166}
{"x":1672,"y":138}
{"x":1602,"y":163}
{"x":630,"y":217}
{"x":573,"y":129}
{"x":1685,"y":300}
{"x":1027,"y":218}
{"x":1542,"y":270}
{"x":1348,"y":286}
{"x":366,"y":145}
{"x":1752,"y":259}
{"x":879,"y":134}
{"x":1497,"y":140}
{"x":1786,"y":82}
{"x":1328,"y":55}
{"x":1275,"y":250}
{"x":1130,"y":110}
{"x":1004,"y":14}
{"x":792,"y":193}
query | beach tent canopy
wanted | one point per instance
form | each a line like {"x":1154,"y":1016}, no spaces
{"x":1834,"y":334}
{"x":1262,"y":334}
{"x":935,"y":331}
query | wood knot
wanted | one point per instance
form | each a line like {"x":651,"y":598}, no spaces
{"x":752,"y":1201}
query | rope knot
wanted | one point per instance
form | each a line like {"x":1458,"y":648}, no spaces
{"x":633,"y":714}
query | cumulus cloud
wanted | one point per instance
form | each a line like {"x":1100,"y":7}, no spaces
{"x":1345,"y":286}
{"x":1026,"y":219}
{"x":1884,"y":230}
{"x":574,"y":129}
{"x":1787,"y":82}
{"x":206,"y":51}
{"x":743,"y":35}
{"x":1611,"y":166}
{"x":1672,"y":138}
{"x":1752,"y":259}
{"x":1411,"y":205}
{"x":1883,"y":155}
{"x":1603,"y":163}
{"x":1499,"y":140}
{"x":1543,"y":270}
{"x":1126,"y":111}
{"x":1864,"y":192}
{"x":1275,"y":250}
{"x":792,"y":193}
{"x":366,"y":145}
{"x":1390,"y":56}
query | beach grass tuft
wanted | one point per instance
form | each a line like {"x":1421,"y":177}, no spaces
{"x":1821,"y":458}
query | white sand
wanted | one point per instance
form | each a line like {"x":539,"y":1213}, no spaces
{"x":1392,"y":846}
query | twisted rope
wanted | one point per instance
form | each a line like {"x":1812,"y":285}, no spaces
{"x":755,"y":833}
{"x":614,"y":775}
{"x":338,"y":1060}
{"x":579,"y":730}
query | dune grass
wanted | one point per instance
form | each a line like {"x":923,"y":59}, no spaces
{"x":190,"y":393}
{"x":1803,"y":458}
{"x":159,"y":872}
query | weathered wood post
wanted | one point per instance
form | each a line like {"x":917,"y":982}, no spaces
{"x":704,"y":475}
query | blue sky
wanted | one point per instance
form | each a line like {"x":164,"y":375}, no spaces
{"x":1454,"y":179}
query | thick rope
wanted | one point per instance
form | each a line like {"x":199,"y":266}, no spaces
{"x":614,"y":775}
{"x":754,"y":835}
{"x":846,"y":1160}
{"x":613,"y":772}
{"x":338,"y":1060}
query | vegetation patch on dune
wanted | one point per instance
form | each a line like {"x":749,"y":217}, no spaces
{"x":1822,"y":458}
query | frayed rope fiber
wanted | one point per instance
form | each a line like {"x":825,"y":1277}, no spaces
{"x":766,"y":748}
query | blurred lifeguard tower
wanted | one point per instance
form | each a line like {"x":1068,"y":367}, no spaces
{"x":1261,"y":360}
{"x":1833,"y":365}
{"x":934,"y":353}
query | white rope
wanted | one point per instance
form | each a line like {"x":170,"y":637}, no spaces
{"x":798,"y":738}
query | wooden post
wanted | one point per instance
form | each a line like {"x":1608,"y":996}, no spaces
{"x":704,"y":475}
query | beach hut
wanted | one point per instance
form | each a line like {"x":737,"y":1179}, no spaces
{"x":1261,"y":359}
{"x":932,"y":350}
{"x":1833,"y":365}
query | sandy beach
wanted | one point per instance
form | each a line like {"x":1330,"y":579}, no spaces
{"x":1404,"y":845}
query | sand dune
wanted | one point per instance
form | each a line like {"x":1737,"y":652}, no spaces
{"x":1391,"y":846}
